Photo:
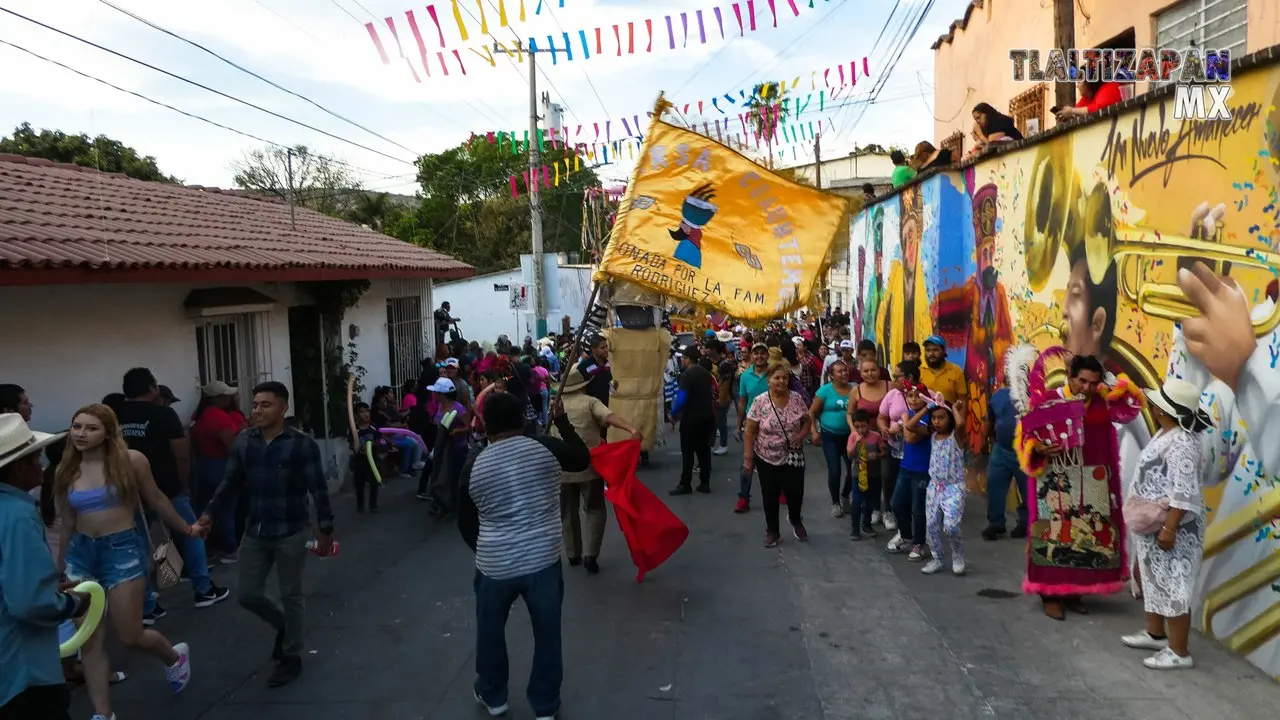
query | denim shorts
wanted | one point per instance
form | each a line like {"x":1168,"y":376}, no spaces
{"x":109,"y":560}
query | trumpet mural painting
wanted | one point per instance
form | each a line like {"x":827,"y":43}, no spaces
{"x":1077,"y":240}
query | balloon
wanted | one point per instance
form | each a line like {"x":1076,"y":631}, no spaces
{"x":373,"y":465}
{"x":97,"y":607}
{"x":402,"y":432}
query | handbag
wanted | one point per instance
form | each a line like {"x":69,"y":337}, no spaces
{"x":165,"y":559}
{"x":1143,"y":516}
{"x":795,"y":456}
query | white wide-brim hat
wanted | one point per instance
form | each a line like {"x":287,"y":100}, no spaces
{"x":18,"y":441}
{"x":1180,"y":400}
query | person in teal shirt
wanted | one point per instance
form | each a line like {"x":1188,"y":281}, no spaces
{"x":751,"y":382}
{"x":831,"y":430}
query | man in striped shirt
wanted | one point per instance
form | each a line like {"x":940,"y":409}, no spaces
{"x":509,"y":514}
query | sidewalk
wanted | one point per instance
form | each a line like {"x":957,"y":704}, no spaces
{"x":726,"y":629}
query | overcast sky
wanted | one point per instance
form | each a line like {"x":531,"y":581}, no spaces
{"x":320,"y":49}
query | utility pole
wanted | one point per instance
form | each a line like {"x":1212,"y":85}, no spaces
{"x":288,"y":170}
{"x":1064,"y":38}
{"x":535,"y":205}
{"x":817,"y":160}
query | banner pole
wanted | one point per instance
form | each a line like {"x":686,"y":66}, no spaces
{"x":572,"y":358}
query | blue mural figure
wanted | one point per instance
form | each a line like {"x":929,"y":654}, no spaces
{"x":876,"y":288}
{"x":694,"y":216}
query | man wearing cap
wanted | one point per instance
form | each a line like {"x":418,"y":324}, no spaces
{"x":941,"y":376}
{"x":31,"y":684}
{"x":694,"y":410}
{"x":166,"y":398}
{"x":153,"y":429}
{"x":595,"y":367}
{"x":752,"y":381}
{"x":450,"y":371}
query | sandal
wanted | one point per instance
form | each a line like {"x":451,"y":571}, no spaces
{"x":114,"y":678}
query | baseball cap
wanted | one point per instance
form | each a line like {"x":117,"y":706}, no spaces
{"x":168,"y":395}
{"x":451,"y":362}
{"x":759,"y":346}
{"x":443,"y":385}
{"x":936,"y":340}
{"x":846,"y":344}
{"x":797,"y":340}
{"x":217,"y":388}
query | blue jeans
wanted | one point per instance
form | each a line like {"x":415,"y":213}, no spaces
{"x":194,"y":560}
{"x":722,"y":425}
{"x":1002,"y":470}
{"x":834,"y":449}
{"x":410,"y":452}
{"x":209,"y":472}
{"x":543,"y":593}
{"x":110,"y":560}
{"x":908,"y":504}
{"x":865,"y":501}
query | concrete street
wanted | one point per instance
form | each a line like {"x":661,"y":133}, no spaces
{"x":830,"y":630}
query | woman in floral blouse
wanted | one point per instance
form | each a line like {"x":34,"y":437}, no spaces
{"x":776,"y":426}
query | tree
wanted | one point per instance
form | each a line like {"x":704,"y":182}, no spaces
{"x":101,"y":152}
{"x":376,"y":211}
{"x":467,"y":210}
{"x":766,"y":111}
{"x":317,"y":182}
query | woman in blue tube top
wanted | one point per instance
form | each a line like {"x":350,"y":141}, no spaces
{"x":98,"y":488}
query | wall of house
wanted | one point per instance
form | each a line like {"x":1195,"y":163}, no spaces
{"x":974,"y":66}
{"x":848,"y":168}
{"x":985,"y":257}
{"x":487,"y":312}
{"x":73,"y":344}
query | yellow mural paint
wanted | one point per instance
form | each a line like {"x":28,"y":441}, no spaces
{"x":1077,"y":240}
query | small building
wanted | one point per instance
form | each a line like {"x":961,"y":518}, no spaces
{"x":501,"y":303}
{"x":971,"y":61}
{"x":100,"y":273}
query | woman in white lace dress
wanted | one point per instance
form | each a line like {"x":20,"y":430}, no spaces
{"x":1168,"y":475}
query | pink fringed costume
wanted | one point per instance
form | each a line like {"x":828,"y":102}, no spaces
{"x":1076,"y":537}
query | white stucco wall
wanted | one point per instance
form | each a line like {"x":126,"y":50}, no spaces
{"x":71,"y":345}
{"x":486,"y":313}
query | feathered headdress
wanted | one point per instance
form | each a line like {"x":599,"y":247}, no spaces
{"x":1017,"y":371}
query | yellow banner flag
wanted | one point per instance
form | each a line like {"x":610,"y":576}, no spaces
{"x":703,"y":223}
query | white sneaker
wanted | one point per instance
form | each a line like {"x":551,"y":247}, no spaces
{"x":419,"y":465}
{"x":722,"y":450}
{"x":1144,"y":641}
{"x":179,"y":673}
{"x":875,"y":517}
{"x":897,"y":544}
{"x":890,"y":523}
{"x":931,"y":567}
{"x":837,"y":511}
{"x":494,"y":711}
{"x":957,"y":567}
{"x":1167,"y":659}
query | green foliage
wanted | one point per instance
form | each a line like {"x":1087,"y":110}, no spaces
{"x":333,"y":298}
{"x":467,"y":211}
{"x":377,"y":211}
{"x":101,"y":152}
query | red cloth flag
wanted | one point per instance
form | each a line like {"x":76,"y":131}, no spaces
{"x":653,"y":532}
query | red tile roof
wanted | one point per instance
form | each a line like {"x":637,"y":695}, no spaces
{"x":66,"y":223}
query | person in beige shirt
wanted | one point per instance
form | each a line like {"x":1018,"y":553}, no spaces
{"x":590,"y":419}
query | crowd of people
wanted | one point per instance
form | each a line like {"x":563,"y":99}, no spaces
{"x":509,"y":456}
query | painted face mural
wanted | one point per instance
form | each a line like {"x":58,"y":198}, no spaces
{"x":1076,"y":240}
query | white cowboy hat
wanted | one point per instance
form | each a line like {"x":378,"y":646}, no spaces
{"x":18,"y":441}
{"x":724,"y":336}
{"x":1181,"y":401}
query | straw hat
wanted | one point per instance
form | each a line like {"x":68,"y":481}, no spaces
{"x":18,"y":441}
{"x":1181,"y":401}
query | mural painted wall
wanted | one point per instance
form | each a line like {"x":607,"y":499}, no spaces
{"x":1077,"y":240}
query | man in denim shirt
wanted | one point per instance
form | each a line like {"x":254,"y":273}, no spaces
{"x":279,"y":468}
{"x":31,"y":606}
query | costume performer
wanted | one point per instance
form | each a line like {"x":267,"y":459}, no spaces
{"x":1067,"y":445}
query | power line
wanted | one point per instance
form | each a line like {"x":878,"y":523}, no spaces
{"x":782,"y":53}
{"x":583,"y":66}
{"x":247,"y":71}
{"x":295,"y":26}
{"x":879,"y":86}
{"x":180,"y":111}
{"x":348,"y":12}
{"x":176,"y":76}
{"x":896,"y":38}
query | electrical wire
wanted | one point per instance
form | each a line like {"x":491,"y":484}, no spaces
{"x":785,"y":48}
{"x":895,"y":40}
{"x":180,"y":111}
{"x":884,"y":79}
{"x":188,"y":81}
{"x":583,"y":66}
{"x":348,"y":12}
{"x":296,"y":26}
{"x":247,"y":71}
